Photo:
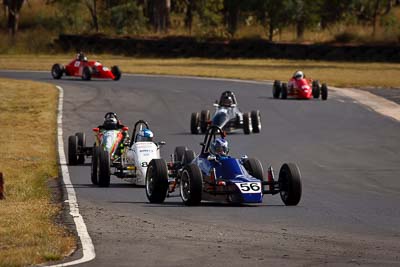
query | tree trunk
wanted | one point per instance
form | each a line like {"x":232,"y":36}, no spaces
{"x":232,"y":17}
{"x":161,"y":11}
{"x":93,"y":13}
{"x":13,"y":8}
{"x":300,"y":28}
{"x":375,"y":17}
{"x":189,"y":15}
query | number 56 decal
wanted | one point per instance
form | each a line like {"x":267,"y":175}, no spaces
{"x":252,"y":187}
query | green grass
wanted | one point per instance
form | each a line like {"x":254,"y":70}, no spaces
{"x":28,"y":229}
{"x":343,"y":74}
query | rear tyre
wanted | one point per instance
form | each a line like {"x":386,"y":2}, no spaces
{"x":57,"y":71}
{"x":195,"y":123}
{"x":191,"y":185}
{"x":157,"y":181}
{"x":284,"y":91}
{"x":179,"y":153}
{"x":104,"y":168}
{"x":188,"y":157}
{"x":276,"y":89}
{"x":316,"y":89}
{"x":81,"y":144}
{"x":254,"y":168}
{"x":246,"y":123}
{"x":116,"y":72}
{"x":95,"y":165}
{"x":72,"y":150}
{"x":256,"y":121}
{"x":86,"y":73}
{"x":204,"y":119}
{"x":290,"y":184}
{"x":324,"y":92}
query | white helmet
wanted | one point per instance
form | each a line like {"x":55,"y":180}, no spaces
{"x":298,"y":75}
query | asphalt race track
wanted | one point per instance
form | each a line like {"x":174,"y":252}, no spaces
{"x":349,"y":157}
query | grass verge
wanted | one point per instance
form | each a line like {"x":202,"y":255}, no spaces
{"x":29,"y":233}
{"x":340,"y":74}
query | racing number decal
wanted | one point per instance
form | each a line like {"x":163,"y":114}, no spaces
{"x":144,"y":164}
{"x":249,"y":187}
{"x":77,"y":63}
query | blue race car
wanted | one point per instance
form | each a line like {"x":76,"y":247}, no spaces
{"x":227,"y":116}
{"x":213,"y":178}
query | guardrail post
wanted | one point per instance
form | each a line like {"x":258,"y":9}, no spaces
{"x":2,"y":196}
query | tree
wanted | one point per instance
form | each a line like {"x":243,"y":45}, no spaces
{"x":231,"y":15}
{"x":92,"y":6}
{"x":273,"y":14}
{"x":370,"y":10}
{"x":13,"y":8}
{"x":160,"y":14}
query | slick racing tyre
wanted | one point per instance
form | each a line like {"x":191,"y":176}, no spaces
{"x":104,"y":168}
{"x":195,"y":123}
{"x":57,"y":71}
{"x":188,"y":157}
{"x":276,"y":89}
{"x":116,"y":72}
{"x":81,"y":144}
{"x":256,"y":121}
{"x":254,"y":168}
{"x":324,"y":92}
{"x":157,"y":181}
{"x":290,"y":184}
{"x":72,"y":150}
{"x":179,"y":152}
{"x":95,"y":166}
{"x":246,"y":123}
{"x":204,"y":119}
{"x":86,"y":73}
{"x":284,"y":91}
{"x":191,"y":185}
{"x":316,"y":89}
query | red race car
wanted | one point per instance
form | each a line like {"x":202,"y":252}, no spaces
{"x":299,"y":87}
{"x":81,"y":67}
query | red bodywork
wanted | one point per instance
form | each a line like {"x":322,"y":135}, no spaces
{"x":300,"y":89}
{"x":75,"y":68}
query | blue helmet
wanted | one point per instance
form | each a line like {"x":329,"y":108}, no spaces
{"x":219,"y":147}
{"x":144,"y":135}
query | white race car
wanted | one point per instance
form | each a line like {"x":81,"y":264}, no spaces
{"x":112,"y":154}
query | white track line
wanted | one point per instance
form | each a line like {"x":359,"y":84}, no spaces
{"x":86,"y":242}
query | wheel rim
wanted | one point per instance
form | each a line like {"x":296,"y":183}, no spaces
{"x":185,"y":186}
{"x":149,"y":181}
{"x":259,"y":121}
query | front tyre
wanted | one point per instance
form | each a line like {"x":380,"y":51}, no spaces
{"x":157,"y":181}
{"x":72,"y":150}
{"x":191,"y":185}
{"x":276,"y":89}
{"x":246,"y":123}
{"x":204,"y":119}
{"x":316,"y":89}
{"x":104,"y":168}
{"x":86,"y":73}
{"x":81,"y":144}
{"x":195,"y":123}
{"x":116,"y":72}
{"x":256,"y":121}
{"x":95,"y":166}
{"x":254,"y":168}
{"x":57,"y":71}
{"x":324,"y":92}
{"x":284,"y":91}
{"x":290,"y":184}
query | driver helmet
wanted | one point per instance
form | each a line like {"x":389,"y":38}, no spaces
{"x":227,"y":101}
{"x":219,"y":147}
{"x":110,"y":123}
{"x":298,"y":75}
{"x":144,"y":135}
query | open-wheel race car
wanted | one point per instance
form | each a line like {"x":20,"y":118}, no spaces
{"x":116,"y":154}
{"x":81,"y":67}
{"x":299,"y":87}
{"x":226,"y":116}
{"x":213,"y":177}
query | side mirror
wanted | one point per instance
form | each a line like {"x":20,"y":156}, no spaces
{"x":201,"y":143}
{"x":96,"y":130}
{"x":211,"y":158}
{"x":125,"y":128}
{"x":233,"y":105}
{"x":216,"y":105}
{"x":161,"y":143}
